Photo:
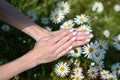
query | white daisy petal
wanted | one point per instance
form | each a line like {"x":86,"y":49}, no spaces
{"x":98,"y":7}
{"x":116,"y":42}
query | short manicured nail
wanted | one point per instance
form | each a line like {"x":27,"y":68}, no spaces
{"x":71,"y":30}
{"x":87,"y":40}
{"x":87,"y":32}
{"x":91,"y":36}
{"x":74,"y":33}
{"x":80,"y":29}
{"x":70,"y":47}
{"x":73,"y":39}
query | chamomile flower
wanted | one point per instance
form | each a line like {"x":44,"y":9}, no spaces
{"x":85,"y":28}
{"x":77,"y":77}
{"x":5,"y":27}
{"x":106,"y":33}
{"x":62,"y":69}
{"x":77,"y":63}
{"x":111,"y":77}
{"x":116,"y":42}
{"x":44,"y":20}
{"x":76,"y":52}
{"x":117,"y":7}
{"x":67,"y":25}
{"x":89,"y":50}
{"x":115,"y":68}
{"x":104,"y":74}
{"x":56,"y":16}
{"x":32,"y":16}
{"x":98,"y":7}
{"x":80,"y":19}
{"x":64,"y":7}
{"x":93,"y":72}
{"x":77,"y":70}
{"x":99,"y":64}
{"x":98,"y":56}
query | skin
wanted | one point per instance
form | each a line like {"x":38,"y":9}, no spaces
{"x":49,"y":45}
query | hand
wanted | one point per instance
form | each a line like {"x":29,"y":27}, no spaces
{"x":50,"y":48}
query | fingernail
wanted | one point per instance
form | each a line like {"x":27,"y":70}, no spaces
{"x":70,"y":47}
{"x":73,"y":39}
{"x":91,"y":36}
{"x":87,"y":32}
{"x":71,"y":30}
{"x":74,"y":33}
{"x":87,"y":40}
{"x":80,"y":29}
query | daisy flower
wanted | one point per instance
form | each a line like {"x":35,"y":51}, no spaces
{"x":99,"y":56}
{"x":80,"y":19}
{"x":56,"y":16}
{"x":77,"y":70}
{"x":111,"y":77}
{"x":5,"y":27}
{"x":89,"y":50}
{"x":117,"y":7}
{"x":64,"y":7}
{"x":77,"y":77}
{"x":62,"y":69}
{"x":104,"y":74}
{"x":67,"y":25}
{"x":115,"y":68}
{"x":99,"y":64}
{"x":32,"y":16}
{"x":116,"y":42}
{"x":106,"y":33}
{"x":85,"y":28}
{"x":77,"y":63}
{"x":98,"y":7}
{"x":44,"y":20}
{"x":93,"y":72}
{"x":76,"y":52}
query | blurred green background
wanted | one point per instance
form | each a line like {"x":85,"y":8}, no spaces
{"x":14,"y":43}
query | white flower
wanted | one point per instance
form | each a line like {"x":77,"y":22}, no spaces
{"x":111,"y":77}
{"x":44,"y":20}
{"x":92,"y":64}
{"x":98,"y":7}
{"x":89,"y":50}
{"x":67,"y":25}
{"x":76,"y":52}
{"x":64,"y":7}
{"x":62,"y":69}
{"x":117,"y":7}
{"x":5,"y":27}
{"x":116,"y":42}
{"x":77,"y":77}
{"x":98,"y":56}
{"x":93,"y":72}
{"x":77,"y":63}
{"x":77,"y":70}
{"x":80,"y":19}
{"x":56,"y":16}
{"x":32,"y":16}
{"x":85,"y":28}
{"x":115,"y":68}
{"x":104,"y":74}
{"x":99,"y":64}
{"x":48,"y":28}
{"x":106,"y":33}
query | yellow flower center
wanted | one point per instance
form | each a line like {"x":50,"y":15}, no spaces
{"x":104,"y":74}
{"x":100,"y":47}
{"x":117,"y":68}
{"x":62,"y":8}
{"x":77,"y":78}
{"x":97,"y":64}
{"x":81,"y":19}
{"x":97,"y":7}
{"x":93,"y":72}
{"x":62,"y":69}
{"x":90,"y":50}
{"x":56,"y":16}
{"x":77,"y":70}
{"x":118,"y":41}
{"x":76,"y":50}
{"x":97,"y":54}
{"x":69,"y":25}
{"x":110,"y":78}
{"x":84,"y":30}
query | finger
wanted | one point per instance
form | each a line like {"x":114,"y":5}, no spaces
{"x":60,"y":36}
{"x":80,"y":43}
